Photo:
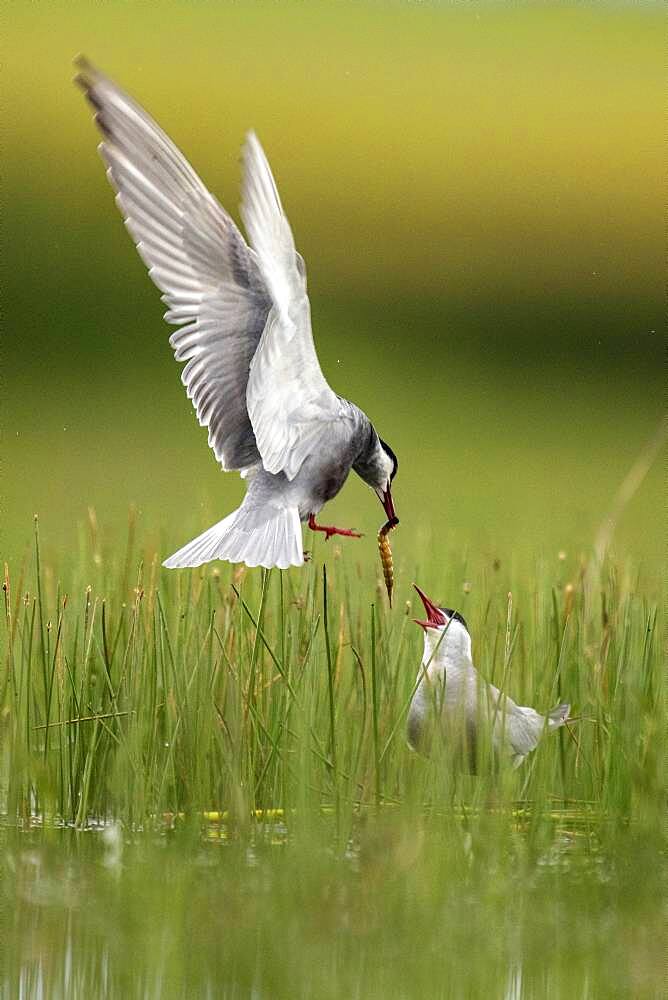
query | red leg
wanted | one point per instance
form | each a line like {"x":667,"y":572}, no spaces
{"x":330,"y":530}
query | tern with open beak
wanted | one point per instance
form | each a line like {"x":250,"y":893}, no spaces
{"x":244,"y":322}
{"x":450,"y":689}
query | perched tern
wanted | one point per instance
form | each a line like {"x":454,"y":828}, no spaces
{"x":244,"y":322}
{"x":450,"y":687}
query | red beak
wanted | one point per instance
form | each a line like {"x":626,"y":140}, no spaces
{"x":388,"y":504}
{"x":435,"y":616}
{"x":385,"y":497}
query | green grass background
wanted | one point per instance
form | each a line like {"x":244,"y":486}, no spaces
{"x":476,"y":190}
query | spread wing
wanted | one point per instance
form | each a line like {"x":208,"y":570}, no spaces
{"x":196,"y":256}
{"x":290,"y":404}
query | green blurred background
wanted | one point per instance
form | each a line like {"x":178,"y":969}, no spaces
{"x":476,"y":190}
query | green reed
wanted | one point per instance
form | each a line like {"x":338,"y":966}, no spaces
{"x":222,"y":689}
{"x":239,"y":737}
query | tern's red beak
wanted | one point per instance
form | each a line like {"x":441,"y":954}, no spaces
{"x":435,"y":616}
{"x":385,"y":497}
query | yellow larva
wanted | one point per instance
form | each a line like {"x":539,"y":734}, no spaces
{"x":386,"y":555}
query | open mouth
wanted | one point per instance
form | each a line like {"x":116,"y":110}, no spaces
{"x":435,"y":616}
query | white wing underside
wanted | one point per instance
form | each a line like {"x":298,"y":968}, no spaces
{"x":290,"y":405}
{"x":245,"y":332}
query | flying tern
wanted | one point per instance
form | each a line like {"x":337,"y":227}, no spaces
{"x":450,"y":689}
{"x":244,"y":322}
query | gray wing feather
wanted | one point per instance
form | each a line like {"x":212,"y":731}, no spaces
{"x":196,"y":256}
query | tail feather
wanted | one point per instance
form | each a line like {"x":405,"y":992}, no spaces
{"x":557,"y":716}
{"x":243,"y":536}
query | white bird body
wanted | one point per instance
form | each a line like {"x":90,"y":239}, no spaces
{"x":269,"y":518}
{"x":450,"y":692}
{"x":244,"y":322}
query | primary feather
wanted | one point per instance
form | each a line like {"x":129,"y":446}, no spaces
{"x":196,"y":256}
{"x":296,"y":416}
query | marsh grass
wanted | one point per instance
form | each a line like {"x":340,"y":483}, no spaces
{"x":264,"y":713}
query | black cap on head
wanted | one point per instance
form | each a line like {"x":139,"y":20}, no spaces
{"x":451,"y":613}
{"x":395,"y":461}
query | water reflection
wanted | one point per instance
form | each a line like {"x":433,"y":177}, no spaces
{"x":281,"y":912}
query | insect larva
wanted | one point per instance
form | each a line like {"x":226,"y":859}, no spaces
{"x":386,"y":555}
